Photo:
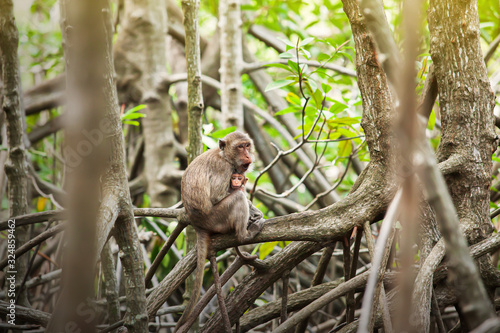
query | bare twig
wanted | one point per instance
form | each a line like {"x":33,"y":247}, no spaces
{"x":318,"y":278}
{"x":386,"y":316}
{"x":33,"y":242}
{"x":379,"y":262}
{"x":354,"y":263}
{"x":333,"y":188}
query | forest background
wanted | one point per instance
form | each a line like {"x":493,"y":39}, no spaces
{"x":360,"y":112}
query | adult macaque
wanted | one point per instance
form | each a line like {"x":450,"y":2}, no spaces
{"x":211,"y":203}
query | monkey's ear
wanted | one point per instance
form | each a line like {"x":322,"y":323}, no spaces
{"x":222,"y":144}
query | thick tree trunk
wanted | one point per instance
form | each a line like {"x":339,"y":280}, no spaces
{"x":468,"y":137}
{"x":98,"y":187}
{"x":190,"y":9}
{"x":466,"y":105}
{"x":231,"y":63}
{"x":15,"y":166}
{"x":140,"y":64}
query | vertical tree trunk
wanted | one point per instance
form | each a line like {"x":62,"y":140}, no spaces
{"x":195,"y":96}
{"x":466,"y":104}
{"x":468,"y":137}
{"x":98,"y":188}
{"x":140,"y":64}
{"x":195,"y":107}
{"x":84,"y":43}
{"x":231,"y":62}
{"x":15,"y":166}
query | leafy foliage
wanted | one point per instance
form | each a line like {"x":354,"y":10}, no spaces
{"x":313,"y":35}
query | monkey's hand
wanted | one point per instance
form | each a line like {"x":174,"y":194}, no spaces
{"x":254,"y":227}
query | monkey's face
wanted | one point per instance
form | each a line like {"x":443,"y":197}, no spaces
{"x":244,"y":152}
{"x":237,"y":148}
{"x":237,"y":181}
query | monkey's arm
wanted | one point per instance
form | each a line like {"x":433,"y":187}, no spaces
{"x":231,"y":213}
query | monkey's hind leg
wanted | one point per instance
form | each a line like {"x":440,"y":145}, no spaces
{"x":220,"y":297}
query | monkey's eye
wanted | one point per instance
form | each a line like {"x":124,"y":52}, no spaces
{"x":241,"y":146}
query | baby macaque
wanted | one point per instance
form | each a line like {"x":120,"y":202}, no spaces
{"x":238,"y":181}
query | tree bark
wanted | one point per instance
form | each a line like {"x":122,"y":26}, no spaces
{"x":231,"y":63}
{"x":195,"y":107}
{"x":468,"y":136}
{"x":98,"y":189}
{"x":140,"y":64}
{"x":15,"y":166}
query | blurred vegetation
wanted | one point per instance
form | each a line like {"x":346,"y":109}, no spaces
{"x":315,"y":30}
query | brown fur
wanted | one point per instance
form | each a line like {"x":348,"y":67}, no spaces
{"x":211,"y":205}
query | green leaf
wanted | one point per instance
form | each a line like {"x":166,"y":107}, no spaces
{"x":209,"y":142}
{"x":266,"y":249}
{"x":287,"y":42}
{"x":334,"y":135}
{"x":288,"y":110}
{"x":318,"y":97}
{"x":278,"y":84}
{"x":223,"y":132}
{"x":172,"y":226}
{"x":314,"y":86}
{"x":311,"y":24}
{"x":133,"y":116}
{"x":131,"y":122}
{"x":292,"y":98}
{"x":345,"y":148}
{"x":432,"y":121}
{"x":136,"y":108}
{"x":293,"y":65}
{"x":337,"y":107}
{"x":307,"y":54}
{"x":326,"y":88}
{"x":259,"y":302}
{"x":282,"y":66}
{"x":345,"y":120}
{"x":347,"y":133}
{"x":311,"y":111}
{"x":286,"y":55}
{"x":347,"y":55}
{"x":307,"y":41}
{"x":323,"y":57}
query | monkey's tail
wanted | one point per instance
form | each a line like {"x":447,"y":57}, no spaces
{"x":202,"y":241}
{"x":163,"y":252}
{"x":244,"y":256}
